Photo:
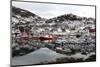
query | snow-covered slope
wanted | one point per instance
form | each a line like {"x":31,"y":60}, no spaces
{"x":22,"y":17}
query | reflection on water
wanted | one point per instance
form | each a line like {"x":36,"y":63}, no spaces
{"x":41,"y":55}
{"x":38,"y":51}
{"x":47,"y":41}
{"x":45,"y":55}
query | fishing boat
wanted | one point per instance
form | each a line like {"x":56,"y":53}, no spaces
{"x":46,"y":37}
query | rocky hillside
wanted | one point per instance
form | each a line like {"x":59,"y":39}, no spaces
{"x":24,"y":17}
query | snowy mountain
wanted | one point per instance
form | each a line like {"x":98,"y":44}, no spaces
{"x":65,"y":17}
{"x":68,"y":17}
{"x":70,"y":21}
{"x":24,"y":17}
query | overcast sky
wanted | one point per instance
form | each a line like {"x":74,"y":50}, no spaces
{"x":52,"y":10}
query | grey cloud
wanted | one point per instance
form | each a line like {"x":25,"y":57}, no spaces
{"x":52,"y":10}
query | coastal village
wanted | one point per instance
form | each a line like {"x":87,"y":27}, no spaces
{"x":67,"y":34}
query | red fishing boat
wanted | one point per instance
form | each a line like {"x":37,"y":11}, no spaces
{"x":46,"y":37}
